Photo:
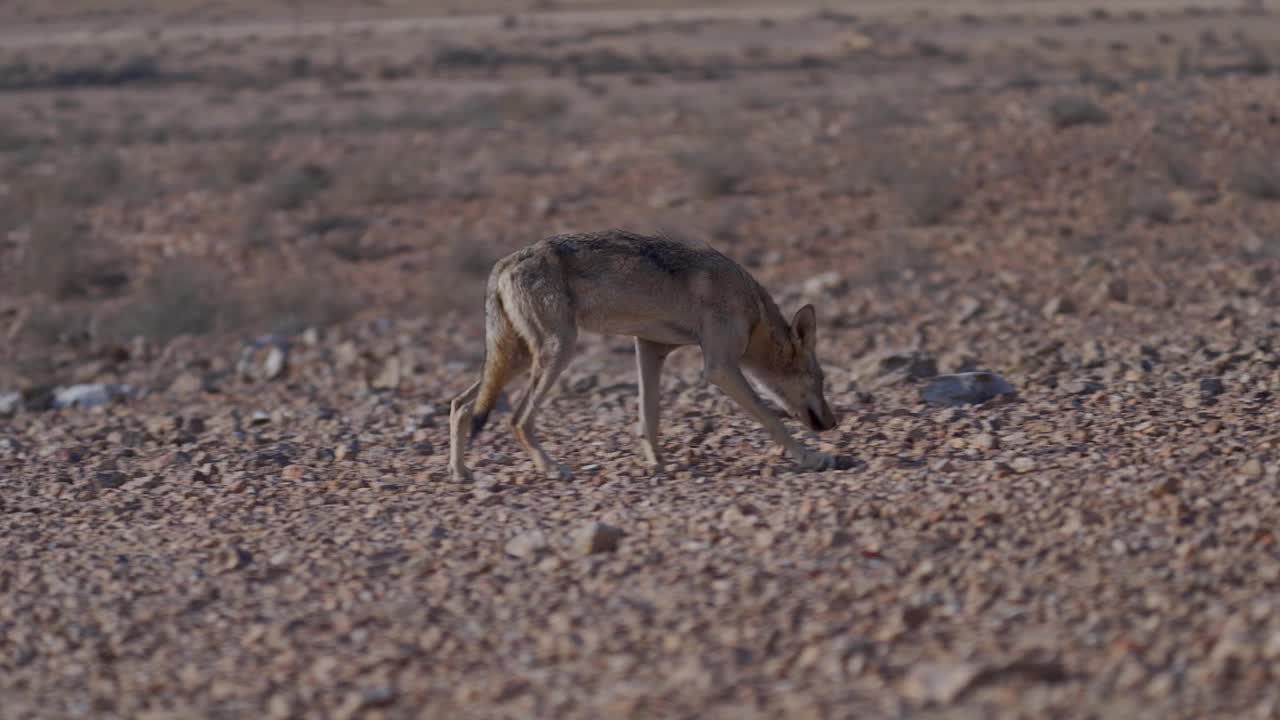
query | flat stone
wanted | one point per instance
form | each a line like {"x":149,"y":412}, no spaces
{"x":10,"y":403}
{"x":969,"y":388}
{"x":527,"y":545}
{"x":89,"y":395}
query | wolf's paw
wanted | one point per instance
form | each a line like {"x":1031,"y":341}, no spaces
{"x":460,"y":475}
{"x":556,"y":471}
{"x":650,"y":458}
{"x":814,"y":460}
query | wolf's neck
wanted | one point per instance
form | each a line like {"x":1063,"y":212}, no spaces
{"x":771,"y":336}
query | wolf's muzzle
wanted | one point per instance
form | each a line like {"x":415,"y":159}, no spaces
{"x":820,"y":422}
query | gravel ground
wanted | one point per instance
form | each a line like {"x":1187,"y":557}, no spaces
{"x":1106,"y":540}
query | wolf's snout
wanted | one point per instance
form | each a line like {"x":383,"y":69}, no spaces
{"x":822,"y":419}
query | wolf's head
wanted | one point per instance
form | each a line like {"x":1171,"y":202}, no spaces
{"x":794,"y":377}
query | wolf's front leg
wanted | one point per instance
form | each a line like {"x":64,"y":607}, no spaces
{"x":729,"y":377}
{"x":649,"y":359}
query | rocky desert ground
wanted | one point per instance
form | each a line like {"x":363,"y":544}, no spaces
{"x":242,"y":254}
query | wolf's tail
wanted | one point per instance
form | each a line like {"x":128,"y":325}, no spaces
{"x":505,"y":355}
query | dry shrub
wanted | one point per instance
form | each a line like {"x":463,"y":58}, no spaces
{"x":134,"y":70}
{"x":927,"y":182}
{"x":183,"y":297}
{"x":1151,"y":204}
{"x":1023,"y":79}
{"x":462,"y":184}
{"x":53,"y":324}
{"x":931,"y":191}
{"x":388,"y":180}
{"x":63,"y":260}
{"x":91,"y":180}
{"x":532,"y":108}
{"x":526,"y":163}
{"x":718,"y":168}
{"x":883,"y":114}
{"x":13,"y":139}
{"x":1072,"y":110}
{"x":12,"y":215}
{"x":760,"y":99}
{"x":897,"y":258}
{"x":472,"y":260}
{"x":726,"y":226}
{"x":305,"y":299}
{"x":344,"y":237}
{"x":191,"y":296}
{"x":294,"y":187}
{"x":336,"y":224}
{"x":244,"y":165}
{"x":1087,"y":74}
{"x":1182,"y":164}
{"x":1258,"y":176}
{"x":1256,"y":61}
{"x":492,"y":111}
{"x":464,"y":57}
{"x":460,"y":275}
{"x":257,"y":232}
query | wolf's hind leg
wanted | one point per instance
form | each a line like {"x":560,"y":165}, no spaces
{"x":552,"y":358}
{"x":460,"y":432}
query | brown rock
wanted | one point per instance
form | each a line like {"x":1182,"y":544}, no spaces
{"x":1022,"y":464}
{"x":527,"y":545}
{"x":188,"y":383}
{"x":595,"y":538}
{"x":293,"y":473}
{"x":984,"y":441}
{"x":1252,"y":468}
{"x":109,"y":479}
{"x":1058,"y":305}
{"x":232,"y":557}
{"x":939,"y":682}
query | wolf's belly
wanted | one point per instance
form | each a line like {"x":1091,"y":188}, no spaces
{"x":669,"y":332}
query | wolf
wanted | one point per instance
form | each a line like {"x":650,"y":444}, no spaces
{"x":665,"y":291}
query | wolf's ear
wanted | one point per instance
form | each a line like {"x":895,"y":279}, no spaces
{"x":804,"y":326}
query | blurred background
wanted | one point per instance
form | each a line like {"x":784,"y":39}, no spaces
{"x":202,"y":170}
